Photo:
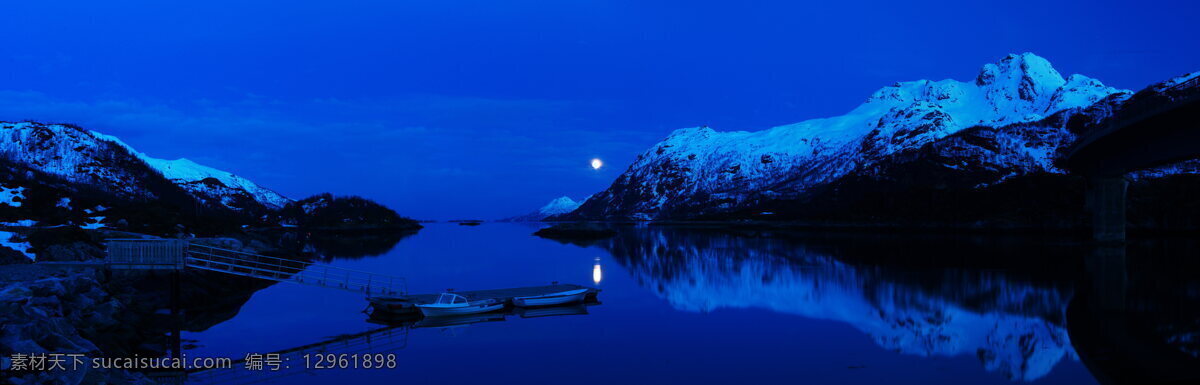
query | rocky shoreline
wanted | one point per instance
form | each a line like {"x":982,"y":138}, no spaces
{"x":52,"y":314}
{"x":50,"y":309}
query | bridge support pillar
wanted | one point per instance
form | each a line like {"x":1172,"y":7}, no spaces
{"x":1108,"y":278}
{"x":1106,"y":202}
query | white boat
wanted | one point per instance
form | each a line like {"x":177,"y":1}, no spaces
{"x":453,"y":304}
{"x":551,"y":299}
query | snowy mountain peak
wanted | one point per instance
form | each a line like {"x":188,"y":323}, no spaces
{"x":69,"y":152}
{"x":1015,"y":70}
{"x":719,"y":171}
{"x":1027,"y":84}
{"x":1021,"y":87}
{"x":559,"y":205}
{"x":206,"y":181}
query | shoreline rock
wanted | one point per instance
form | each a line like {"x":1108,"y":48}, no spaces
{"x":69,"y":310}
{"x":578,"y":233}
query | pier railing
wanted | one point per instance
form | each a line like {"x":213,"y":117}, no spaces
{"x":178,"y":254}
{"x":289,"y":270}
{"x":146,"y":253}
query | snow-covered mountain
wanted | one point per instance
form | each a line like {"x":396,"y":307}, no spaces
{"x":558,"y":206}
{"x":207,"y":182}
{"x":700,"y":172}
{"x":73,"y":154}
{"x":102,"y":161}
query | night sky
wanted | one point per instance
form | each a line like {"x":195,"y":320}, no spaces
{"x":485,"y":109}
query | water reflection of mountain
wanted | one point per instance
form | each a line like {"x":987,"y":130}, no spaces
{"x":342,"y":245}
{"x":1015,"y":325}
{"x":355,"y":246}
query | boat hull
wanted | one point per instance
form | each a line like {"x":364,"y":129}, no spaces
{"x":391,"y":306}
{"x":443,"y":311}
{"x":458,"y":320}
{"x":551,"y":299}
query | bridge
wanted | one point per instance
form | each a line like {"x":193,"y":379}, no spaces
{"x":1154,"y":127}
{"x":177,"y":254}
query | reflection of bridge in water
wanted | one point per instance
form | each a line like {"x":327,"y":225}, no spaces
{"x":391,"y":337}
{"x":1133,"y":326}
{"x":292,"y":361}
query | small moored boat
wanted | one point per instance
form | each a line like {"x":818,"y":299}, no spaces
{"x":551,"y":299}
{"x":453,"y":304}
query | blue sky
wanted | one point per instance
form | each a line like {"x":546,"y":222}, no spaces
{"x":483,"y":109}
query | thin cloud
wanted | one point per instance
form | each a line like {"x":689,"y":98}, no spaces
{"x":417,"y":144}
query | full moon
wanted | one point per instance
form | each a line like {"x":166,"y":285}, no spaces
{"x":596,"y":164}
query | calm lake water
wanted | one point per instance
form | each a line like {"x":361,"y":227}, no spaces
{"x":710,"y":307}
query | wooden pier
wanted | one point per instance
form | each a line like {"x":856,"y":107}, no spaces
{"x":176,"y":254}
{"x":401,"y":304}
{"x":385,"y":293}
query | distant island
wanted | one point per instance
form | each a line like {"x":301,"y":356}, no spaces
{"x":326,"y":212}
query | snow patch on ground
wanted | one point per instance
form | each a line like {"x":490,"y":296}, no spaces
{"x":95,"y":223}
{"x":96,"y":209}
{"x":6,"y":240}
{"x":1180,"y":80}
{"x":12,"y":196}
{"x":1185,"y":167}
